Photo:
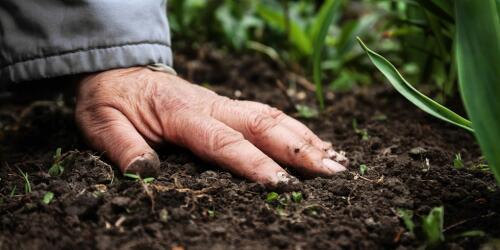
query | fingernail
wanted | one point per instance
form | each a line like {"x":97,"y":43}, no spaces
{"x":146,"y":165}
{"x":335,"y":167}
{"x":338,"y":157}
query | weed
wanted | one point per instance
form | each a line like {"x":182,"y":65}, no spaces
{"x":305,"y":111}
{"x":27,"y":184}
{"x":296,"y":197}
{"x":407,"y":217}
{"x":56,"y":169}
{"x":13,"y":191}
{"x":457,"y":162}
{"x":363,"y":169}
{"x":432,"y":226}
{"x":363,"y":133}
{"x":47,"y":198}
{"x":211,"y":213}
{"x":139,"y":179}
{"x":272,"y":196}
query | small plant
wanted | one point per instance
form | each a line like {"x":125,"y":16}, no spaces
{"x":432,"y":226}
{"x":407,"y":217}
{"x":296,"y":197}
{"x":13,"y":191}
{"x":27,"y":184}
{"x":211,"y":213}
{"x":363,"y":133}
{"x":306,"y":111}
{"x":363,"y":169}
{"x":457,"y":162}
{"x":56,"y":169}
{"x":47,"y":198}
{"x":138,"y":178}
{"x":272,"y":196}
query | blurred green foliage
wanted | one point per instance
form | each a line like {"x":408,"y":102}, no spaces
{"x":286,"y":31}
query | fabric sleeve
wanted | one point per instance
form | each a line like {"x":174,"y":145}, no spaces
{"x":42,"y":39}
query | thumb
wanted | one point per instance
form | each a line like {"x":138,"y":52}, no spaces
{"x":108,"y":130}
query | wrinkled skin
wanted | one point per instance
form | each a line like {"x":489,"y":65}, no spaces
{"x":126,"y":112}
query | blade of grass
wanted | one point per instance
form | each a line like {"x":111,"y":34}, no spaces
{"x":409,"y":92}
{"x":276,"y":19}
{"x":322,"y":23}
{"x":478,"y":60}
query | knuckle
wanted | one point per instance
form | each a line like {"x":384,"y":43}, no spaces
{"x":259,"y":124}
{"x":219,"y":104}
{"x":220,"y":138}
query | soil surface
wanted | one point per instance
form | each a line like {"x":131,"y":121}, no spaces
{"x":193,"y":205}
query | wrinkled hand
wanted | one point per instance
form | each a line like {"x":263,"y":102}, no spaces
{"x":124,"y":112}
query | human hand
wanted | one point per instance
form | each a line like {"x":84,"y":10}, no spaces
{"x":124,"y":112}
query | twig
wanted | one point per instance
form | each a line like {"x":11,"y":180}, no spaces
{"x":283,"y":90}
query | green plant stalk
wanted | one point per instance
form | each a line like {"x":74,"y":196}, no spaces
{"x":478,"y":61}
{"x":413,"y":95}
{"x":324,"y":20}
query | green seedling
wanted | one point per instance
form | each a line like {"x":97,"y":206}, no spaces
{"x":13,"y":191}
{"x":138,"y":178}
{"x":470,"y":234}
{"x":306,"y":111}
{"x":296,"y":197}
{"x":407,"y":217}
{"x":432,"y":226}
{"x":363,"y":169}
{"x":211,"y":213}
{"x":56,"y":169}
{"x":363,"y":133}
{"x":457,"y":162}
{"x":272,"y":196}
{"x":27,"y":184}
{"x":47,"y":198}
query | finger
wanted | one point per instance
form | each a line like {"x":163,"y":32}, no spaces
{"x":299,"y":128}
{"x":214,"y":141}
{"x":108,"y":130}
{"x":267,"y":133}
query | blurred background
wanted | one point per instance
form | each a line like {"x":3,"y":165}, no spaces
{"x":416,"y":36}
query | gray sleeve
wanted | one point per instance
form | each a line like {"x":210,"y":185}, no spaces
{"x":49,"y":38}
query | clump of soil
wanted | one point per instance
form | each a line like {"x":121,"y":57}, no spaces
{"x":194,"y":205}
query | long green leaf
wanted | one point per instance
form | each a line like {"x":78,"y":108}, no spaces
{"x":409,"y":92}
{"x":297,"y":35}
{"x":321,"y":26}
{"x":478,"y":60}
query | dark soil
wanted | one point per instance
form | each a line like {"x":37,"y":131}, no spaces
{"x":193,"y":205}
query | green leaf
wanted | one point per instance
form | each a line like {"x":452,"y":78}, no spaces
{"x":47,"y":198}
{"x":478,"y":60}
{"x":457,"y":162}
{"x":362,"y":169}
{"x":306,"y":111}
{"x":148,"y":179}
{"x":413,"y":95}
{"x":407,"y":217}
{"x":432,"y":225}
{"x":272,"y":196}
{"x":132,"y":176}
{"x":297,"y":197}
{"x":471,"y":233}
{"x":276,"y":19}
{"x":321,"y":25}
